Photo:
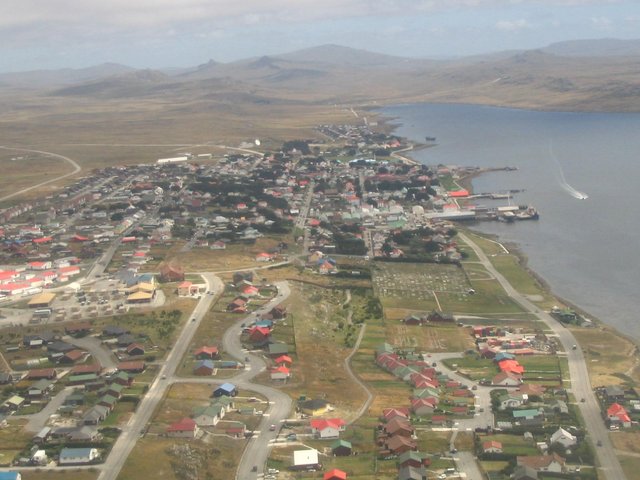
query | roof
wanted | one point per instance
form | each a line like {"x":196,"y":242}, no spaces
{"x":341,"y":443}
{"x":335,"y":474}
{"x":227,"y":387}
{"x":184,"y":425}
{"x":9,"y":475}
{"x":42,"y":298}
{"x":140,"y":296}
{"x":74,"y":453}
{"x":538,"y":462}
{"x":323,"y":423}
{"x":283,"y":359}
{"x":305,"y":457}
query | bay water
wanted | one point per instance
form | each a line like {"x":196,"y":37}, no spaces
{"x":580,"y":170}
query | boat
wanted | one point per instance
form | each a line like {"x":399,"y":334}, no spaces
{"x":430,"y":139}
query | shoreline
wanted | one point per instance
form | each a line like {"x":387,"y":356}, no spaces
{"x":514,"y":248}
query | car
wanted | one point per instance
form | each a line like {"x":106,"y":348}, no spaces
{"x":442,"y":476}
{"x":273,"y":471}
{"x":582,"y":400}
{"x":193,"y":319}
{"x":272,"y":428}
{"x":255,"y":468}
{"x":599,"y":443}
{"x":454,"y":450}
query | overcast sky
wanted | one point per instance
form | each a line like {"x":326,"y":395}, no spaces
{"x":161,"y":33}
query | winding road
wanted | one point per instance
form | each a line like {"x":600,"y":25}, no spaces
{"x":580,"y":383}
{"x":76,"y":169}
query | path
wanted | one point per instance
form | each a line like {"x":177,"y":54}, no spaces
{"x":76,"y":169}
{"x":347,"y":366}
{"x":580,"y":382}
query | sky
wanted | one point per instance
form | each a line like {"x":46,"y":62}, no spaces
{"x":49,"y":34}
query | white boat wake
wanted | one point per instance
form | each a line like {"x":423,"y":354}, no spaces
{"x":563,"y":182}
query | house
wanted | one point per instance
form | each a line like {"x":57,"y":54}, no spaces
{"x":259,"y":335}
{"x":412,"y":473}
{"x":42,"y":436}
{"x":95,"y":415}
{"x":399,"y":426}
{"x":508,"y":401}
{"x":305,"y":459}
{"x":78,"y":329}
{"x":78,"y":456}
{"x":613,"y":393}
{"x":506,"y":379}
{"x":314,"y":407}
{"x":37,"y":374}
{"x":563,"y":437}
{"x":283,"y":360}
{"x":399,"y":444}
{"x":208,"y":416}
{"x":438,"y":316}
{"x":530,"y":414}
{"x":524,"y":472}
{"x":114,"y":389}
{"x":171,"y":272}
{"x":327,"y":428}
{"x":84,"y":369}
{"x":113,"y":331}
{"x":136,"y":366}
{"x":280,"y":373}
{"x":236,"y":429}
{"x":341,"y":448}
{"x":617,"y":415}
{"x":335,"y":474}
{"x":207,"y":352}
{"x":237,"y":305}
{"x":121,"y":378}
{"x":72,"y":356}
{"x":543,"y":463}
{"x":277,"y":349}
{"x":492,"y":446}
{"x":185,"y":428}
{"x":226,"y":389}
{"x":59,"y":346}
{"x":14,"y":402}
{"x":413,"y":459}
{"x":390,"y":413}
{"x":40,"y":388}
{"x":108,"y":401}
{"x":125,"y":340}
{"x":135,"y":349}
{"x":422,"y":406}
{"x":203,"y":368}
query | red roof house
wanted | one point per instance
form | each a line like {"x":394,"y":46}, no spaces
{"x":335,"y":474}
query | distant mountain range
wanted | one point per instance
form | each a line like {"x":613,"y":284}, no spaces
{"x":583,"y":74}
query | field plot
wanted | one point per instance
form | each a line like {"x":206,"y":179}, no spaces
{"x":21,"y":170}
{"x":405,"y":288}
{"x":610,"y":358}
{"x":431,"y":338}
{"x":319,"y":332}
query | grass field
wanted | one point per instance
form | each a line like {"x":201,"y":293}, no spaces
{"x":611,"y":359}
{"x":40,"y":474}
{"x":21,"y":170}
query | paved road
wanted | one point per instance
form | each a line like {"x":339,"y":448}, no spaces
{"x":96,"y":348}
{"x":257,"y":449}
{"x":580,"y":383}
{"x":38,"y":420}
{"x":76,"y":169}
{"x":131,"y":432}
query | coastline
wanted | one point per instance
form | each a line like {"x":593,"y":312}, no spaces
{"x":514,"y":248}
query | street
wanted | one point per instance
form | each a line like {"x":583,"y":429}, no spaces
{"x":580,"y":383}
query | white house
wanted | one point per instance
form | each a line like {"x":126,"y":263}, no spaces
{"x":563,"y":437}
{"x":305,"y":459}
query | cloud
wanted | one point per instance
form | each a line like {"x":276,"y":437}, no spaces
{"x":145,"y":14}
{"x":512,"y":25}
{"x":604,"y":23}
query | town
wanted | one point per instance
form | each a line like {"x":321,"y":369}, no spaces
{"x":306,"y":312}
